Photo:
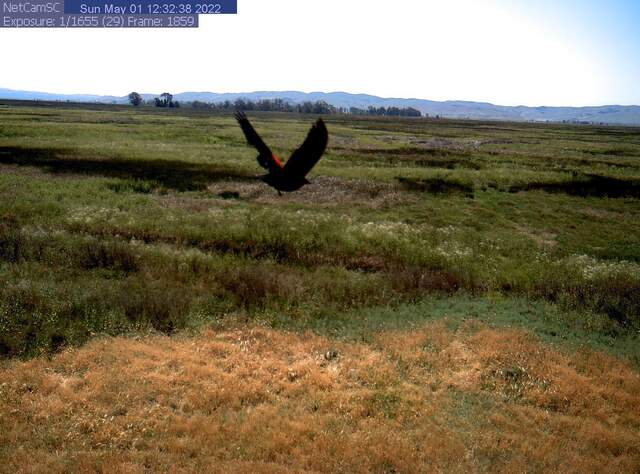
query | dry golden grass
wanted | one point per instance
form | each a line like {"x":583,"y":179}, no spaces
{"x":260,"y":400}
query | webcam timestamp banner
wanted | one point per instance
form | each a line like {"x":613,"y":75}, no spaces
{"x":109,"y":13}
{"x":152,"y":7}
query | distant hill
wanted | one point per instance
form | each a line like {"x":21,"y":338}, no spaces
{"x":610,"y":114}
{"x":30,"y":95}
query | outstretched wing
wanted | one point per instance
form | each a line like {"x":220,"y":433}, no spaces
{"x":306,"y":157}
{"x":265,"y":158}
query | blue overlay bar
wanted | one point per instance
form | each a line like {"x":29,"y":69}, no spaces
{"x":151,"y":7}
{"x":43,"y":20}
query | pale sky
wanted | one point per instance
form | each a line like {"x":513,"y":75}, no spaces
{"x":532,"y":52}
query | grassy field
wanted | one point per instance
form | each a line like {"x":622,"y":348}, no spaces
{"x":446,"y":295}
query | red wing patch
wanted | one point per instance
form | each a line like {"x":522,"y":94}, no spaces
{"x":276,"y":160}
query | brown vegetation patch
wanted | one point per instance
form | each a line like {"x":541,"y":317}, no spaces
{"x":438,"y":143}
{"x":323,"y":191}
{"x":601,"y":213}
{"x":254,"y":399}
{"x":421,"y":156}
{"x":412,"y":151}
{"x":542,"y":239}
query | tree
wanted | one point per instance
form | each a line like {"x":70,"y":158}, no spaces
{"x":135,"y":99}
{"x":166,"y":99}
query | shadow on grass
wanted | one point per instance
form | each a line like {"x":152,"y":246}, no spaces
{"x":589,"y":185}
{"x":171,"y":174}
{"x":436,"y":186}
{"x":631,"y":152}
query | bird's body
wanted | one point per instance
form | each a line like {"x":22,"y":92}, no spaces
{"x":291,"y":176}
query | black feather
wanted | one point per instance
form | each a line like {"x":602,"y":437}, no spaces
{"x":305,"y":158}
{"x":265,"y":157}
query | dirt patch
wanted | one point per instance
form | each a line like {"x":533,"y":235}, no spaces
{"x":324,"y":191}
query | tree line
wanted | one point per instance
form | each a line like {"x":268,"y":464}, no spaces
{"x":270,"y":105}
{"x":387,"y":111}
{"x":319,"y":107}
{"x":165,"y":100}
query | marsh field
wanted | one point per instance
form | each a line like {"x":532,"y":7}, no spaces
{"x":455,"y":296}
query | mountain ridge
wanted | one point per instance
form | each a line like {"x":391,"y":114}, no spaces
{"x":608,"y":114}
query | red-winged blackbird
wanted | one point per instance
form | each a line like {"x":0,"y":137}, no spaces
{"x":291,"y":176}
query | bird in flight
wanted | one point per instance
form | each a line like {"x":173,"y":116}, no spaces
{"x":290,"y":176}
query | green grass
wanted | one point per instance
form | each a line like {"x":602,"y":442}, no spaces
{"x":566,"y":330}
{"x":116,"y":220}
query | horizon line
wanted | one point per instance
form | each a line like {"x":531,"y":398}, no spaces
{"x":124,"y":96}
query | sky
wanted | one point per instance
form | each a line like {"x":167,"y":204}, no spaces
{"x":518,"y":52}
